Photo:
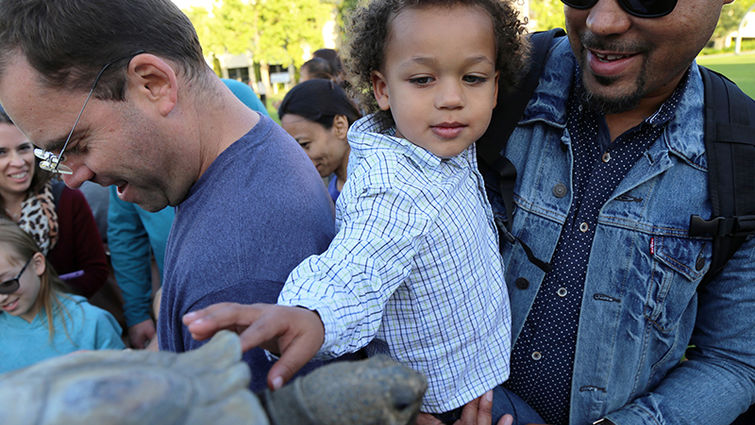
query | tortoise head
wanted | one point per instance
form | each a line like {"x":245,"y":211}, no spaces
{"x":376,"y":391}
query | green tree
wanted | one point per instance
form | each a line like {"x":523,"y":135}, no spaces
{"x":546,"y":14}
{"x":731,"y":15}
{"x":288,"y":27}
{"x":274,"y":31}
{"x":344,"y":8}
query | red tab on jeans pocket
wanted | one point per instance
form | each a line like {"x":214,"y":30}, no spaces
{"x":652,"y":245}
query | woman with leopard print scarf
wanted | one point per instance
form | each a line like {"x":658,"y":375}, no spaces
{"x":62,"y":226}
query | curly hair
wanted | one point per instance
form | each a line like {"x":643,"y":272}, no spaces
{"x":370,"y":24}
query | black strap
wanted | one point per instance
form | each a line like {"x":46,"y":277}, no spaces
{"x":730,"y":149}
{"x":511,"y":104}
{"x":57,"y":190}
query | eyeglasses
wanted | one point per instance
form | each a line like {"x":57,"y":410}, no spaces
{"x":53,"y":163}
{"x":12,"y":285}
{"x":638,"y":8}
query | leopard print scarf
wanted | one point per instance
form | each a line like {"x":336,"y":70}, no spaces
{"x":39,"y":218}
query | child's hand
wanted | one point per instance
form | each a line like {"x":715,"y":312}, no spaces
{"x":296,"y":333}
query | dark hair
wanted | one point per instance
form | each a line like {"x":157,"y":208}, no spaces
{"x":368,"y":32}
{"x":320,"y":101}
{"x":331,"y":56}
{"x":69,"y":41}
{"x":40,"y":178}
{"x":318,"y":68}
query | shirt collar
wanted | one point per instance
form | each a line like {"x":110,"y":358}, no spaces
{"x":661,"y":116}
{"x":365,"y":136}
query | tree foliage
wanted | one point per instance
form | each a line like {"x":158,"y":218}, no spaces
{"x":546,"y":14}
{"x":731,"y":15}
{"x":274,"y":31}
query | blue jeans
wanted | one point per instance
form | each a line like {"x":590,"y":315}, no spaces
{"x":504,"y":401}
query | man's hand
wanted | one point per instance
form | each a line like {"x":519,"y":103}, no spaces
{"x":294,"y":332}
{"x":476,"y":412}
{"x":141,"y":334}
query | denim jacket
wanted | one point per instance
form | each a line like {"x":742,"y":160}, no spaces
{"x":641,"y":306}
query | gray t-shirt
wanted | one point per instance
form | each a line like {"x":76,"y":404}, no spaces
{"x":257,"y":212}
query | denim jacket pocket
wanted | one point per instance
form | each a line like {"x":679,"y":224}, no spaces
{"x":678,"y":266}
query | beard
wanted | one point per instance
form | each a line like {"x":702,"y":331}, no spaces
{"x":611,"y":103}
{"x":606,"y":105}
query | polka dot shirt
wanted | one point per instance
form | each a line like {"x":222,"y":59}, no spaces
{"x":543,"y":354}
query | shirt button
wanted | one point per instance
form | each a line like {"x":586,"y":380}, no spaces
{"x":559,"y":190}
{"x":700,"y":262}
{"x":536,"y":356}
{"x":584,"y":227}
{"x":561,"y":292}
{"x":606,"y":157}
{"x":522,"y":283}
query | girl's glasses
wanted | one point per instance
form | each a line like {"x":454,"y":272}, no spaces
{"x":12,"y":285}
{"x":638,"y":8}
{"x":53,"y":163}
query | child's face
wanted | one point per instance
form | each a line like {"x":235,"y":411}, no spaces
{"x":438,"y":77}
{"x":22,"y":302}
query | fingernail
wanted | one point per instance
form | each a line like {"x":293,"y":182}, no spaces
{"x":508,"y":420}
{"x":190,"y":315}
{"x":489,"y":396}
{"x":277,"y":382}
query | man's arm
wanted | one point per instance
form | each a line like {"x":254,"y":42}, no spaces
{"x":717,"y":381}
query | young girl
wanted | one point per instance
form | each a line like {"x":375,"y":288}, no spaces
{"x":38,"y":320}
{"x":415,"y":262}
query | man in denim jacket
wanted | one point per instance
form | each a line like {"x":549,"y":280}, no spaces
{"x":610,"y":164}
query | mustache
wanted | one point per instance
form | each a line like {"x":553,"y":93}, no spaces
{"x":592,"y":41}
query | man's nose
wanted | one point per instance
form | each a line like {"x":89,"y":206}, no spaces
{"x":80,"y":174}
{"x":607,"y":17}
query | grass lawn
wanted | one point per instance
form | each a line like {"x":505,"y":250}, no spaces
{"x":739,"y":68}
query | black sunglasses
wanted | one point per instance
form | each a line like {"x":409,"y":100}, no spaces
{"x":638,"y":8}
{"x":11,"y":286}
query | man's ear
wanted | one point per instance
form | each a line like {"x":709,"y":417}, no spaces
{"x":380,"y":90}
{"x":340,"y":126}
{"x":153,"y":80}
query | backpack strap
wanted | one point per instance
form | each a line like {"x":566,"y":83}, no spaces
{"x":511,"y":104}
{"x":730,"y":148}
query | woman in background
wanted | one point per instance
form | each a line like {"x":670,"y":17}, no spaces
{"x":318,"y":113}
{"x":59,"y":218}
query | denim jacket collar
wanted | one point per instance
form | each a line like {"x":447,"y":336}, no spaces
{"x":548,"y":104}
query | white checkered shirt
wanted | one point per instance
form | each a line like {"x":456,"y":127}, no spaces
{"x":415,"y":263}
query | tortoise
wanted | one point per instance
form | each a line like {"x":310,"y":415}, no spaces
{"x":208,"y":385}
